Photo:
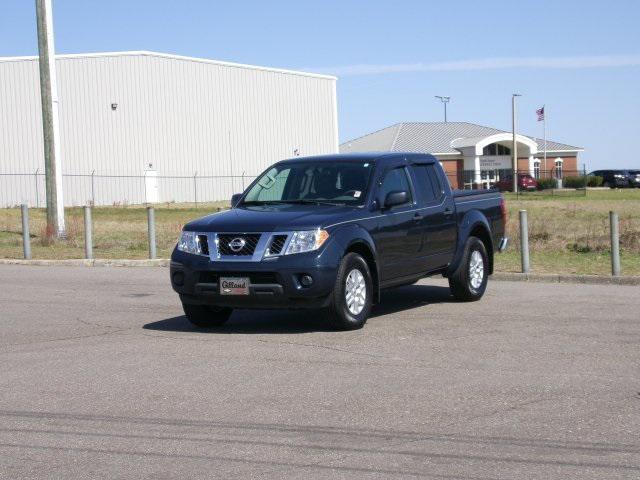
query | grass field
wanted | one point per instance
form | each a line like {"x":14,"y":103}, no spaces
{"x":570,"y":234}
{"x":567,"y":234}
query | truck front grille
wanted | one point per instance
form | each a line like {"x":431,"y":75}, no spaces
{"x":277,"y":242}
{"x":204,"y":244}
{"x":237,"y":244}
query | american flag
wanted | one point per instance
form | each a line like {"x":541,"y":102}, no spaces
{"x":540,"y":113}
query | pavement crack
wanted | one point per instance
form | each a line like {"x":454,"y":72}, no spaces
{"x":326,"y":347}
{"x":61,"y":339}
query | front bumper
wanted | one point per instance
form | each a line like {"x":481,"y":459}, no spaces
{"x":273,"y":282}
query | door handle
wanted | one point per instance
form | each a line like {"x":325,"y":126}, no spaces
{"x":448,"y":211}
{"x":417,"y":217}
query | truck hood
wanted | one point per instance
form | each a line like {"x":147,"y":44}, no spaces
{"x":272,"y":218}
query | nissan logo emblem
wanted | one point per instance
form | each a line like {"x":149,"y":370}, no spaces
{"x":237,"y":244}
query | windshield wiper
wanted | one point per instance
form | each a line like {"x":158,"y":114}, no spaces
{"x":308,"y":201}
{"x":300,"y":201}
{"x":261,"y":202}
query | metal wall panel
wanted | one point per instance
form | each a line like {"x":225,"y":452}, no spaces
{"x":177,"y":115}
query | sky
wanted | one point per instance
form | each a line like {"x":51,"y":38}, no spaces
{"x":581,"y":59}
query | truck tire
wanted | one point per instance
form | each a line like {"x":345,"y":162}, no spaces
{"x":469,"y":281}
{"x":351,"y":299}
{"x":205,"y":316}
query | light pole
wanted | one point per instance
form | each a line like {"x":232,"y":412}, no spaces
{"x":515,"y":144}
{"x":444,"y":100}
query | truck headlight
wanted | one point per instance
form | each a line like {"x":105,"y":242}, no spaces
{"x":306,"y":241}
{"x":189,"y":242}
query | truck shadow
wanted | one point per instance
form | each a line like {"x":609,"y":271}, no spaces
{"x":306,"y":321}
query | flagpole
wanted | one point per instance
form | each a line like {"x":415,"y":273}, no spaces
{"x":544,"y":126}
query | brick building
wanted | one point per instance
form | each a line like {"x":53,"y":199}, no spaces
{"x":471,"y":154}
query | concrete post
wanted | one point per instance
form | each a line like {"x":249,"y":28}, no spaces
{"x":524,"y":241}
{"x":88,"y":233}
{"x":615,"y":244}
{"x":151,"y":221}
{"x":26,"y":239}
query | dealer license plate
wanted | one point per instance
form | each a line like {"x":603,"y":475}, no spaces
{"x":234,"y":286}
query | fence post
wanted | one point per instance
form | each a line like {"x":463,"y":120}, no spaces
{"x":243,"y":180}
{"x":615,"y":244}
{"x":524,"y":241}
{"x":35,"y":176}
{"x":195,"y":190}
{"x":93,"y":189}
{"x":26,"y":239}
{"x":151,"y":221}
{"x":88,"y":233}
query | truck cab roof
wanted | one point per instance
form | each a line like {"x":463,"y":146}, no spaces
{"x":363,"y":156}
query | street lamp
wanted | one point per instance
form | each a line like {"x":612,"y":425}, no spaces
{"x":515,"y":144}
{"x":444,"y":100}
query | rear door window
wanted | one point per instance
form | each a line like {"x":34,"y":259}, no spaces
{"x":428,"y":187}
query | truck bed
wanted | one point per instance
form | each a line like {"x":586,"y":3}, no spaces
{"x":488,"y":202}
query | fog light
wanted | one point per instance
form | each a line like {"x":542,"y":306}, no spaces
{"x":178,"y":279}
{"x":306,"y":280}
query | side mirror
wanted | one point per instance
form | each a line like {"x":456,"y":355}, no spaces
{"x":235,"y":199}
{"x":396,"y":198}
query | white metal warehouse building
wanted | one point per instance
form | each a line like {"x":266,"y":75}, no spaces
{"x":142,"y":127}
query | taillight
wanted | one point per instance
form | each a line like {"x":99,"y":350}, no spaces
{"x":503,"y":210}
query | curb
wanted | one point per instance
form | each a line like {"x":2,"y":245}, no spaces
{"x":160,"y":262}
{"x":562,"y":278}
{"x":499,"y":276}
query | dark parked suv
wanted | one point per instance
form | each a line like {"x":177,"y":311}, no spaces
{"x":616,"y":178}
{"x":332,"y":232}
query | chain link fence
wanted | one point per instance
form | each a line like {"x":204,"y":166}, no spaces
{"x":547,"y":182}
{"x":120,"y":190}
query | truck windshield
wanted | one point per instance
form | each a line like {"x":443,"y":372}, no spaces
{"x":324,"y":182}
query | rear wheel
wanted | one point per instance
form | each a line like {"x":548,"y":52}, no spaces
{"x":206,"y":316}
{"x":469,"y":282}
{"x":352,"y":294}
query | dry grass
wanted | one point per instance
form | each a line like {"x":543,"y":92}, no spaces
{"x":567,"y":234}
{"x":571,"y":234}
{"x":118,"y":232}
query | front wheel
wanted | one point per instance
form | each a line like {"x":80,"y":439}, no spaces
{"x":469,"y":282}
{"x":351,"y":299}
{"x":205,"y":316}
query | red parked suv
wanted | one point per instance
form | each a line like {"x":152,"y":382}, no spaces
{"x":525,"y":182}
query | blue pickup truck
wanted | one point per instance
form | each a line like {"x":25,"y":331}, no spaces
{"x":331,"y":232}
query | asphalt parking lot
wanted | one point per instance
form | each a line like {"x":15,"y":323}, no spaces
{"x":102,"y":377}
